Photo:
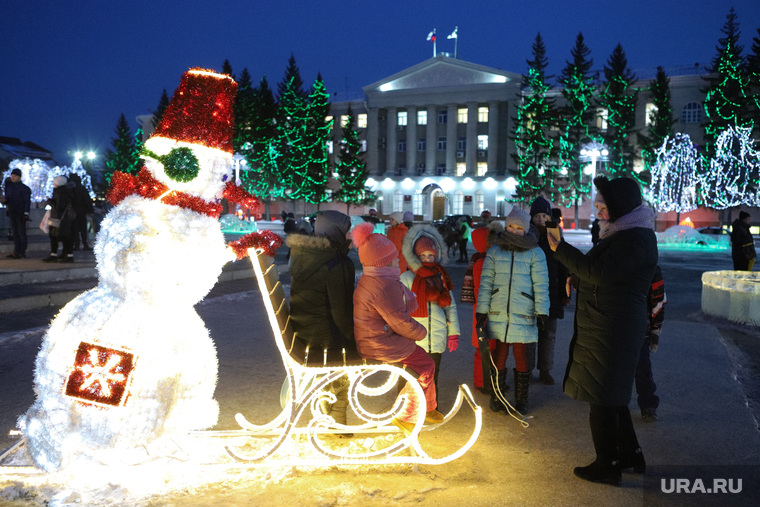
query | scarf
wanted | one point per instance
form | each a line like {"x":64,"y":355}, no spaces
{"x":641,"y":216}
{"x":431,"y":284}
{"x":511,"y":241}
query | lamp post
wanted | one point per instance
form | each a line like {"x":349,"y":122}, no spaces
{"x":593,"y":152}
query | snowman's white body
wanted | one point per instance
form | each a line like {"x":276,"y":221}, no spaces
{"x":155,"y":262}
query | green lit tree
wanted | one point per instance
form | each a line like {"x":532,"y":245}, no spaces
{"x":261,"y":148}
{"x":575,"y":117}
{"x":351,"y":168}
{"x":125,"y":155}
{"x":292,"y":121}
{"x":536,"y":173}
{"x":726,"y":102}
{"x":163,"y":103}
{"x":619,"y":97}
{"x":753,"y":76}
{"x":313,"y":188}
{"x":660,"y":122}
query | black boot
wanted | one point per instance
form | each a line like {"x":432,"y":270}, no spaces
{"x":522,"y":382}
{"x":501,"y":383}
{"x":633,"y":459}
{"x":603,"y":470}
{"x":628,"y":443}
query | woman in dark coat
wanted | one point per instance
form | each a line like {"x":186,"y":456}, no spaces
{"x":610,"y":319}
{"x":61,"y":207}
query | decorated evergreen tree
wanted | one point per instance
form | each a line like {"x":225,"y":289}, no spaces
{"x":317,"y":134}
{"x":125,"y":154}
{"x":675,"y":175}
{"x":163,"y":103}
{"x":291,"y":140}
{"x":575,"y":117}
{"x":351,"y":168}
{"x":726,"y":101}
{"x":291,"y":82}
{"x":536,"y":172}
{"x":734,"y":174}
{"x":753,"y":76}
{"x":618,"y":97}
{"x":660,"y":122}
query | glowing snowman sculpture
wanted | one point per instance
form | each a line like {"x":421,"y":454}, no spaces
{"x":129,"y":365}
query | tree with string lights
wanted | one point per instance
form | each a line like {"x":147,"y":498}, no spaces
{"x":575,"y":117}
{"x":351,"y":168}
{"x":675,"y":175}
{"x":660,"y":121}
{"x":313,"y":188}
{"x":534,"y":155}
{"x":125,"y":156}
{"x":733,"y":177}
{"x":292,"y":119}
{"x":753,"y":85}
{"x":726,"y":101}
{"x":619,"y":97}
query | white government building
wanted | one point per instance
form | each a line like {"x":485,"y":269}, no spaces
{"x":438,"y":135}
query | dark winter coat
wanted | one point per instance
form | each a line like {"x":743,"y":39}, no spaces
{"x":82,"y":202}
{"x":321,"y":293}
{"x":610,"y":315}
{"x":557,"y":275}
{"x":62,"y":198}
{"x":17,"y":197}
{"x":742,"y":243}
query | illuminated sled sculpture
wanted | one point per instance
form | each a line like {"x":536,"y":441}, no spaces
{"x":308,"y":376}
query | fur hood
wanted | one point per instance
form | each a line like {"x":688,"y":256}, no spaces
{"x":415,"y":232}
{"x":307,"y":241}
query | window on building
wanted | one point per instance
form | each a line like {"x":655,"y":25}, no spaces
{"x":692,"y":113}
{"x":421,"y":117}
{"x":458,"y":203}
{"x":482,"y":168}
{"x":361,"y":121}
{"x":328,"y":119}
{"x":441,"y":144}
{"x":401,"y":118}
{"x":483,"y":142}
{"x":441,"y":169}
{"x":443,"y":116}
{"x":483,"y":114}
{"x":343,"y":120}
{"x":363,"y":144}
{"x":650,"y":114}
{"x":398,"y":201}
{"x":461,"y":168}
{"x":462,"y":115}
{"x":480,"y":203}
{"x":601,"y":118}
{"x":421,"y":144}
{"x":402,"y":145}
{"x":462,"y":144}
{"x":418,"y":201}
{"x":329,"y":147}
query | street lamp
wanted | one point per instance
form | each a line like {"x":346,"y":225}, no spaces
{"x":593,"y":152}
{"x":238,"y":160}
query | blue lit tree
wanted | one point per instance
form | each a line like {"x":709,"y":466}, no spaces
{"x":675,"y":175}
{"x":733,"y":177}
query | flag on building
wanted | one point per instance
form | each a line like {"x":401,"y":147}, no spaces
{"x":431,"y":35}
{"x":453,"y":34}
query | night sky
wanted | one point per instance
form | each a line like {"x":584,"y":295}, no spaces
{"x":69,"y":69}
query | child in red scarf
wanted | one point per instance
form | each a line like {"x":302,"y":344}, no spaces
{"x":424,"y":250}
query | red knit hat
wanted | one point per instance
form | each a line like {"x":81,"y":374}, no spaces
{"x":374,"y":249}
{"x":200,"y":111}
{"x":425,"y":244}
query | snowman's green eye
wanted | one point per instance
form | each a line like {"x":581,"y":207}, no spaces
{"x":180,"y":164}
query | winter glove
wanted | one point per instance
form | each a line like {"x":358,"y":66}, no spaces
{"x":453,"y":342}
{"x":542,"y":321}
{"x":480,"y":319}
{"x":654,"y":340}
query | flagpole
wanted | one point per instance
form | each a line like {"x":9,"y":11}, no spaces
{"x":456,"y":41}
{"x":434,"y":50}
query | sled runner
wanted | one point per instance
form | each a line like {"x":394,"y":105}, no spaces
{"x":309,"y":375}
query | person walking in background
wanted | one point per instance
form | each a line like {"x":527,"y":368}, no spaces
{"x":483,"y":238}
{"x":396,"y":233}
{"x":645,"y":387}
{"x":61,"y":222}
{"x":540,"y":213}
{"x":425,"y":252}
{"x":614,"y":279}
{"x":742,"y":244}
{"x":82,"y":204}
{"x":383,"y":325}
{"x":513,"y":303}
{"x":465,"y":227}
{"x":18,"y":200}
{"x":408,"y":219}
{"x":321,"y":296}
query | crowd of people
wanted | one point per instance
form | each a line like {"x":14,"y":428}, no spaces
{"x":522,"y":275}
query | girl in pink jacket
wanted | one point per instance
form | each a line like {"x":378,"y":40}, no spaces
{"x":383,"y":325}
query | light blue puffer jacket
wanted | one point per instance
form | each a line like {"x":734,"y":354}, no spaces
{"x":514,"y":288}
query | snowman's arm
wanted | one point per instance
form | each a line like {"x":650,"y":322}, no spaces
{"x":239,"y":196}
{"x":267,"y":241}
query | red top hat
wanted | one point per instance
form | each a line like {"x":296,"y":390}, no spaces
{"x":200,"y":111}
